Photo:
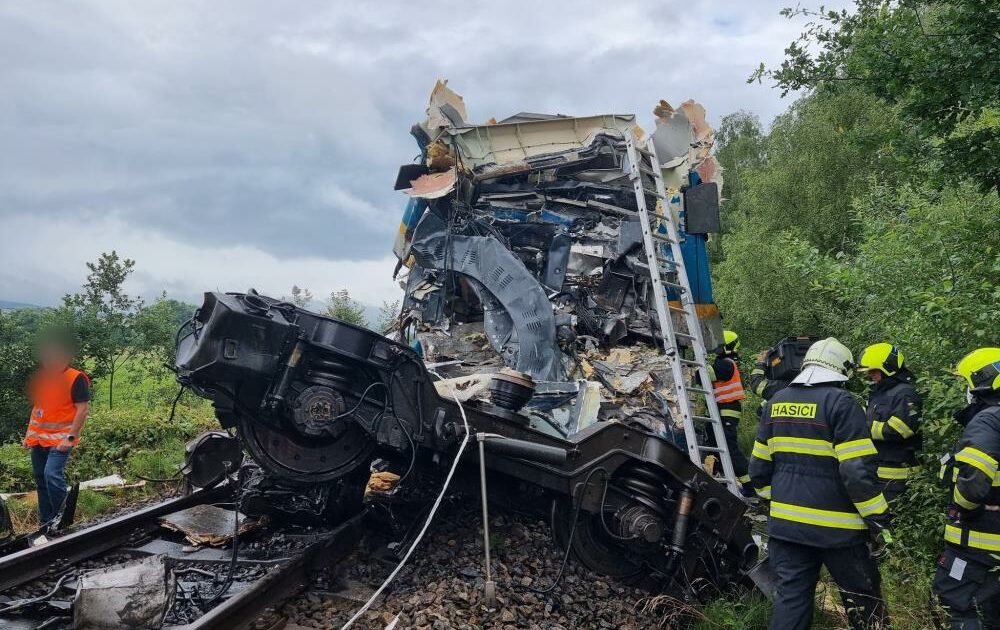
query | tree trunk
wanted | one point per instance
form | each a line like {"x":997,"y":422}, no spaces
{"x":111,"y":389}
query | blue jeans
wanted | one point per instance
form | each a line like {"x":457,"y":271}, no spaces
{"x":49,"y":466}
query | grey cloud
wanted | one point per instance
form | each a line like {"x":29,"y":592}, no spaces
{"x":279,"y":126}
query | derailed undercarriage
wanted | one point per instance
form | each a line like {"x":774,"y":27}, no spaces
{"x":274,"y":371}
{"x":527,"y":290}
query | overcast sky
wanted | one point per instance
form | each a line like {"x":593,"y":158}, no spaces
{"x":230,"y":144}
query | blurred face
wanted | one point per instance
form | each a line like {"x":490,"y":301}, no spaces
{"x":53,"y":357}
{"x":875,"y":375}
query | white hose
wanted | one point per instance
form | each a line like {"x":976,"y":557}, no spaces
{"x":427,"y":523}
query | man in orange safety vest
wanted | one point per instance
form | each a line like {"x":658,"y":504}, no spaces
{"x":60,"y":399}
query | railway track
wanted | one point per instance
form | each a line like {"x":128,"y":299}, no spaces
{"x":38,"y":586}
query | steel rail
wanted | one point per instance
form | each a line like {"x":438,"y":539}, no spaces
{"x":26,"y":565}
{"x":286,"y":580}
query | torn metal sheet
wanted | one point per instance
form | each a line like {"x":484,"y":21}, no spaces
{"x":527,"y":253}
{"x":135,"y":595}
{"x":432,"y":185}
{"x":514,"y":142}
{"x":208,"y":524}
{"x":445,"y":109}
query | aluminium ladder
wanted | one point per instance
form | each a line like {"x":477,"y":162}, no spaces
{"x":643,"y":161}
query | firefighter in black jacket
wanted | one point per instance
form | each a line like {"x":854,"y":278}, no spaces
{"x":968,"y":575}
{"x":893,"y":415}
{"x":815,"y":461}
{"x":758,"y":381}
{"x":727,"y":386}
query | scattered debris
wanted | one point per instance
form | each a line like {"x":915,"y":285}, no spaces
{"x":381,"y":483}
{"x":208,"y":524}
{"x":523,"y":250}
{"x":134,"y":595}
{"x":578,"y":408}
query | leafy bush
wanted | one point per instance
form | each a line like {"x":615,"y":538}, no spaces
{"x":131,"y":440}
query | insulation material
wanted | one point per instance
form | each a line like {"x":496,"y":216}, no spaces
{"x":208,"y":524}
{"x":433,"y":185}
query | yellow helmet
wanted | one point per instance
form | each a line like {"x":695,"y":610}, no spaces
{"x":884,"y":357}
{"x":981,"y":369}
{"x":730,"y":341}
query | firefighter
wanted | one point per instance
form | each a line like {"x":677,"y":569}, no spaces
{"x":60,"y":398}
{"x":758,"y":381}
{"x":893,"y":415}
{"x":727,"y":386}
{"x":815,"y":461}
{"x":967,"y":581}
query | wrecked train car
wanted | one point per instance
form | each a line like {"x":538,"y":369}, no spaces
{"x":522,"y":249}
{"x":525,"y":325}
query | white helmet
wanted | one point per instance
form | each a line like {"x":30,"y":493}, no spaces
{"x":826,"y":361}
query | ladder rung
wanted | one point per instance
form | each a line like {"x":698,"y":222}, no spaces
{"x":704,"y":418}
{"x":669,"y":270}
{"x":697,"y":390}
{"x":610,"y":208}
{"x":672,"y":285}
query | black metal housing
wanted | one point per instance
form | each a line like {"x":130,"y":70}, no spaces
{"x":257,"y":358}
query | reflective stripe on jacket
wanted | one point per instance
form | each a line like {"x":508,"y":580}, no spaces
{"x":731,"y":389}
{"x":974,"y":478}
{"x":814,"y":459}
{"x":894,"y":417}
{"x":53,"y":409}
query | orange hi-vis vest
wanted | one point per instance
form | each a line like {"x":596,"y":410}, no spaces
{"x":53,"y":407}
{"x":731,"y":390}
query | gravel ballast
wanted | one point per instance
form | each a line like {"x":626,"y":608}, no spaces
{"x":442,"y":587}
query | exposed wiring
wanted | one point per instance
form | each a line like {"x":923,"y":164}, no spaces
{"x":173,"y":407}
{"x":35,"y":600}
{"x":604,"y":524}
{"x":427,"y":522}
{"x":231,"y":575}
{"x":364,"y":395}
{"x":413,"y":446}
{"x":569,"y":541}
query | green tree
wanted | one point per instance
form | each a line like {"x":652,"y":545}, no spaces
{"x":342,"y":306}
{"x":740,"y":147}
{"x":388,"y":315}
{"x":936,"y":60}
{"x":155,"y":326}
{"x":300,"y":296}
{"x":16,"y":364}
{"x":794,"y":184}
{"x":104,"y":317}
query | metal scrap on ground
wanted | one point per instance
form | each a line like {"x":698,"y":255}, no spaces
{"x":208,"y":524}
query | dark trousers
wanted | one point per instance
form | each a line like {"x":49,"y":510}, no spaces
{"x":740,"y":464}
{"x":730,"y":428}
{"x":49,"y":466}
{"x":797,"y":569}
{"x":970,"y":593}
{"x":892,"y":489}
